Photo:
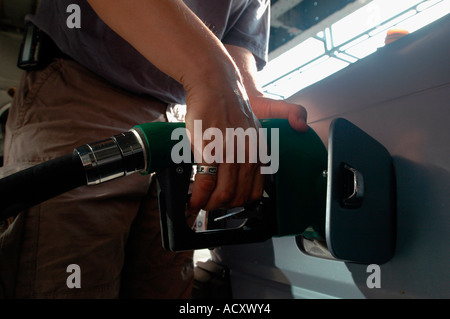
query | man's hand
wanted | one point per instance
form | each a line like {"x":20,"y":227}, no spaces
{"x":177,"y":42}
{"x":170,"y":36}
{"x":222,"y":104}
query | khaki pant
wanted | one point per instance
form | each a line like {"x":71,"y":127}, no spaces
{"x":110,"y":231}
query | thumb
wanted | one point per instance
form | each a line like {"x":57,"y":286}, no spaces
{"x":297,"y":116}
{"x":294,"y":113}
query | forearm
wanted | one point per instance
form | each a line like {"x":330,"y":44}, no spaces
{"x":168,"y":34}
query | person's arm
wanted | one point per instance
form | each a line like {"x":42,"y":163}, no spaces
{"x":263,"y":107}
{"x":168,"y":34}
{"x":175,"y":40}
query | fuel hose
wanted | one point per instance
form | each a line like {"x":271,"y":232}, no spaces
{"x":121,"y":155}
{"x":36,"y":184}
{"x":89,"y":164}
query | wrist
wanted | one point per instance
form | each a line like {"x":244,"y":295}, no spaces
{"x":213,"y":69}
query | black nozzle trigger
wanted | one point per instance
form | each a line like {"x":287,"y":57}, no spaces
{"x":177,"y":235}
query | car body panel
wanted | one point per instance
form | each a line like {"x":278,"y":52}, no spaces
{"x":400,"y":96}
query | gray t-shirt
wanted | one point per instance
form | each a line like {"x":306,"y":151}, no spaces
{"x":242,"y":23}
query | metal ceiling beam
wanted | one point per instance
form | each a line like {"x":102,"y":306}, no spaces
{"x":320,"y":26}
{"x":279,"y":8}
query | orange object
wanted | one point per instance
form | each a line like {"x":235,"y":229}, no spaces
{"x":394,"y":34}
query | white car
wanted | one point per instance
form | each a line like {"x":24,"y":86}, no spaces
{"x":399,"y":95}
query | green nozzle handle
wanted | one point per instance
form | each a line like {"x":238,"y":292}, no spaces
{"x":159,"y":143}
{"x":302,"y":159}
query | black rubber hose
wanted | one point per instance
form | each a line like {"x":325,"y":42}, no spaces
{"x":39,"y":183}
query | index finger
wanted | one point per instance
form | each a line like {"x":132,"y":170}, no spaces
{"x":203,"y":186}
